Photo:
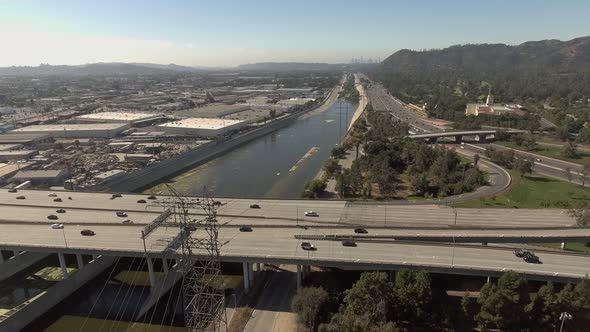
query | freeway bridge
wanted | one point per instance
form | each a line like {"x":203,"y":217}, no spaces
{"x":397,"y":237}
{"x":482,"y":135}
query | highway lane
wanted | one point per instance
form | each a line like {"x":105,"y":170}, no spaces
{"x":99,"y":208}
{"x":268,"y":245}
{"x":547,"y":166}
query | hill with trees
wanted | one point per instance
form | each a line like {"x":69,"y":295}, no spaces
{"x":542,"y":75}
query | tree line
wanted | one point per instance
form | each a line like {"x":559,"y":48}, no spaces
{"x":391,"y":161}
{"x":410,"y":301}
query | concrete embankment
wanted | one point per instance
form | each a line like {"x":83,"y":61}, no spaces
{"x":156,"y":172}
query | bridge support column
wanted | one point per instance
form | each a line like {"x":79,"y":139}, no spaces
{"x":165,"y":265}
{"x":391,"y":274}
{"x":251,"y":272}
{"x":245,"y":270}
{"x":80,"y":261}
{"x":62,"y":264}
{"x":458,"y":139}
{"x":152,"y":275}
{"x":562,"y":245}
{"x":482,"y":138}
{"x":298,"y":276}
{"x":1,"y":257}
{"x":94,"y":257}
{"x":15,"y":253}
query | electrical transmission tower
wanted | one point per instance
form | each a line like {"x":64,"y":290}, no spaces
{"x":203,"y":297}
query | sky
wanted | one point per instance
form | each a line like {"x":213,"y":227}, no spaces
{"x":232,"y":32}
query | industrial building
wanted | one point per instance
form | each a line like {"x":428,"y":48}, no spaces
{"x":489,"y":108}
{"x":50,"y":177}
{"x":202,"y":127}
{"x":134,"y":118}
{"x":98,"y":130}
{"x":16,"y":155}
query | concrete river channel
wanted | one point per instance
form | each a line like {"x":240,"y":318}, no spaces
{"x":273,"y":166}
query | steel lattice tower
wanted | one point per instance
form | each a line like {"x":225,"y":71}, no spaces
{"x":203,"y":298}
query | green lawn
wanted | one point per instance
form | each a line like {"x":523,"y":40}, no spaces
{"x":549,"y":151}
{"x":581,"y":247}
{"x":534,"y":191}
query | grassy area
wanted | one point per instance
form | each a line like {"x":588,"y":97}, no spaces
{"x":549,"y":151}
{"x":52,"y":273}
{"x":580,"y":247}
{"x":73,"y":323}
{"x":533,"y":192}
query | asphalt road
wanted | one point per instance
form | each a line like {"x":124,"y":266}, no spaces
{"x":281,"y":247}
{"x":97,"y":208}
{"x":547,"y":166}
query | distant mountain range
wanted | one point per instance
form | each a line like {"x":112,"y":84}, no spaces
{"x":563,"y":56}
{"x":123,"y":69}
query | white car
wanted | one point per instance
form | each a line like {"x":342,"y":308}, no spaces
{"x":52,"y":195}
{"x":57,"y":226}
{"x":311,"y":214}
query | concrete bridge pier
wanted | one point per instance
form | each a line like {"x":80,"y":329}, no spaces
{"x":80,"y":261}
{"x":482,"y":138}
{"x":562,"y":246}
{"x":298,"y":277}
{"x":62,"y":264}
{"x":151,"y":273}
{"x":1,"y":257}
{"x":165,"y":266}
{"x":248,"y":276}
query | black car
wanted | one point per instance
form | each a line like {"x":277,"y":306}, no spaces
{"x":245,"y":229}
{"x":360,"y":231}
{"x":12,"y":190}
{"x":190,"y":228}
{"x":141,"y":201}
{"x":349,"y":243}
{"x":116,"y":196}
{"x":87,"y":232}
{"x":532,"y":258}
{"x":58,"y":200}
{"x":151,"y":197}
{"x":52,"y":217}
{"x":255,"y":206}
{"x":60,"y":211}
{"x":20,"y":197}
{"x":216,"y":203}
{"x":307,"y":246}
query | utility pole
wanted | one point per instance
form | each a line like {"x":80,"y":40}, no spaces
{"x":204,"y":304}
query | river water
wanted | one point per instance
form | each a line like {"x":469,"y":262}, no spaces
{"x":273,"y":166}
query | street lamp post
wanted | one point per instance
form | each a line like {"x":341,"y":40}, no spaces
{"x":564,"y":315}
{"x":63,"y":232}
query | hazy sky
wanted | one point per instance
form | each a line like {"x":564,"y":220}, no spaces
{"x":230,"y":32}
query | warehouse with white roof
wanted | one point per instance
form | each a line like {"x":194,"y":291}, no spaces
{"x":97,"y":130}
{"x":201,"y":127}
{"x":118,"y":117}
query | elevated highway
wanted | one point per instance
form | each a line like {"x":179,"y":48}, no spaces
{"x":459,"y":135}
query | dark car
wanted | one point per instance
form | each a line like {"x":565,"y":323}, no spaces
{"x":216,"y":203}
{"x":532,"y":258}
{"x":151,"y":197}
{"x":113,"y":196}
{"x":87,"y":232}
{"x":245,"y":229}
{"x":52,"y":217}
{"x":190,"y":228}
{"x":307,"y":246}
{"x":360,"y":231}
{"x":349,"y":243}
{"x":12,"y":190}
{"x":20,"y":197}
{"x":141,"y":201}
{"x":255,"y":206}
{"x":58,"y":200}
{"x":60,"y":211}
{"x":521,"y":253}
